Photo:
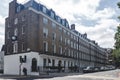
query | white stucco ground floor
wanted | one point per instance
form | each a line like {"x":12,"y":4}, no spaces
{"x":36,"y":63}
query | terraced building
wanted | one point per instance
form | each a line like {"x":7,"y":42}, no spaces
{"x":38,"y":39}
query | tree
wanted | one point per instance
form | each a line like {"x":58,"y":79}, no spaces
{"x":117,"y":38}
{"x":116,"y":51}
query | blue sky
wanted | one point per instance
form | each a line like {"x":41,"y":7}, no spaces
{"x":97,"y":18}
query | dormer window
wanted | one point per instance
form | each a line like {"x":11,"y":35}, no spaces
{"x":67,"y":25}
{"x":44,"y":9}
{"x":52,"y":14}
{"x":63,"y":22}
{"x":58,"y":19}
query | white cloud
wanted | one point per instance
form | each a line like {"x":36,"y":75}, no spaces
{"x":74,"y":11}
{"x":2,"y":30}
{"x":105,"y":13}
{"x":103,"y":32}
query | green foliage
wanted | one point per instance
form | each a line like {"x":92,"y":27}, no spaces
{"x":117,"y":38}
{"x":118,"y":4}
{"x":116,"y":51}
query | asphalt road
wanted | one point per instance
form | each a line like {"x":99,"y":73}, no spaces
{"x":105,"y":75}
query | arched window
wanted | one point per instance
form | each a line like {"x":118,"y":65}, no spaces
{"x":34,"y":65}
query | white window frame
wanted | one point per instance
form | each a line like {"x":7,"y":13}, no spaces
{"x":46,"y":49}
{"x":54,"y":36}
{"x":45,"y":32}
{"x":54,"y":48}
{"x":15,"y":47}
{"x":45,"y":20}
{"x":61,"y":50}
{"x":16,"y":21}
{"x":16,"y":32}
{"x":53,"y":25}
{"x":23,"y":29}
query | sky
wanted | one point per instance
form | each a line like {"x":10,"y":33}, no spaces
{"x":97,"y":18}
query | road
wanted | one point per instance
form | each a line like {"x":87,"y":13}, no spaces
{"x":105,"y":75}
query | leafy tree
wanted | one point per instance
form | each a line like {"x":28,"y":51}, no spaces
{"x":116,"y":51}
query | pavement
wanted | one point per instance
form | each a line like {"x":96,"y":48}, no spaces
{"x":104,"y":75}
{"x":32,"y":77}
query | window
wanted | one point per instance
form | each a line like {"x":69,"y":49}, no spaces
{"x":65,"y":41}
{"x":44,"y":9}
{"x":44,"y":62}
{"x":18,"y":9}
{"x":68,"y":64}
{"x":71,"y":44}
{"x":23,"y":47}
{"x":34,"y":65}
{"x":60,"y":49}
{"x":15,"y":47}
{"x":16,"y":32}
{"x":58,"y":19}
{"x":64,"y":31}
{"x":68,"y":52}
{"x":67,"y":25}
{"x":60,"y":38}
{"x":8,"y":34}
{"x":74,"y":45}
{"x":64,"y":64}
{"x":53,"y":25}
{"x":77,"y":39}
{"x":16,"y":21}
{"x":45,"y":32}
{"x":45,"y":46}
{"x":45,"y":20}
{"x":23,"y":18}
{"x":68,"y":33}
{"x":63,"y":22}
{"x":52,"y":14}
{"x":77,"y":46}
{"x":23,"y":29}
{"x":71,"y":53}
{"x":54,"y":36}
{"x":53,"y":62}
{"x":54,"y":48}
{"x":60,"y":29}
{"x":68,"y":42}
{"x":74,"y":37}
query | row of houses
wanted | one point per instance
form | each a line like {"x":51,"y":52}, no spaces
{"x":38,"y":39}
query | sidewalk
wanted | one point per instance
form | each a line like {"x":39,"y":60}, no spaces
{"x":51,"y":75}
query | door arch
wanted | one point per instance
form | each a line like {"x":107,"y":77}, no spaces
{"x":34,"y":65}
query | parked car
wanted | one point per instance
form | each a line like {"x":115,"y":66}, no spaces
{"x":102,"y":68}
{"x":88,"y":69}
{"x":96,"y":69}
